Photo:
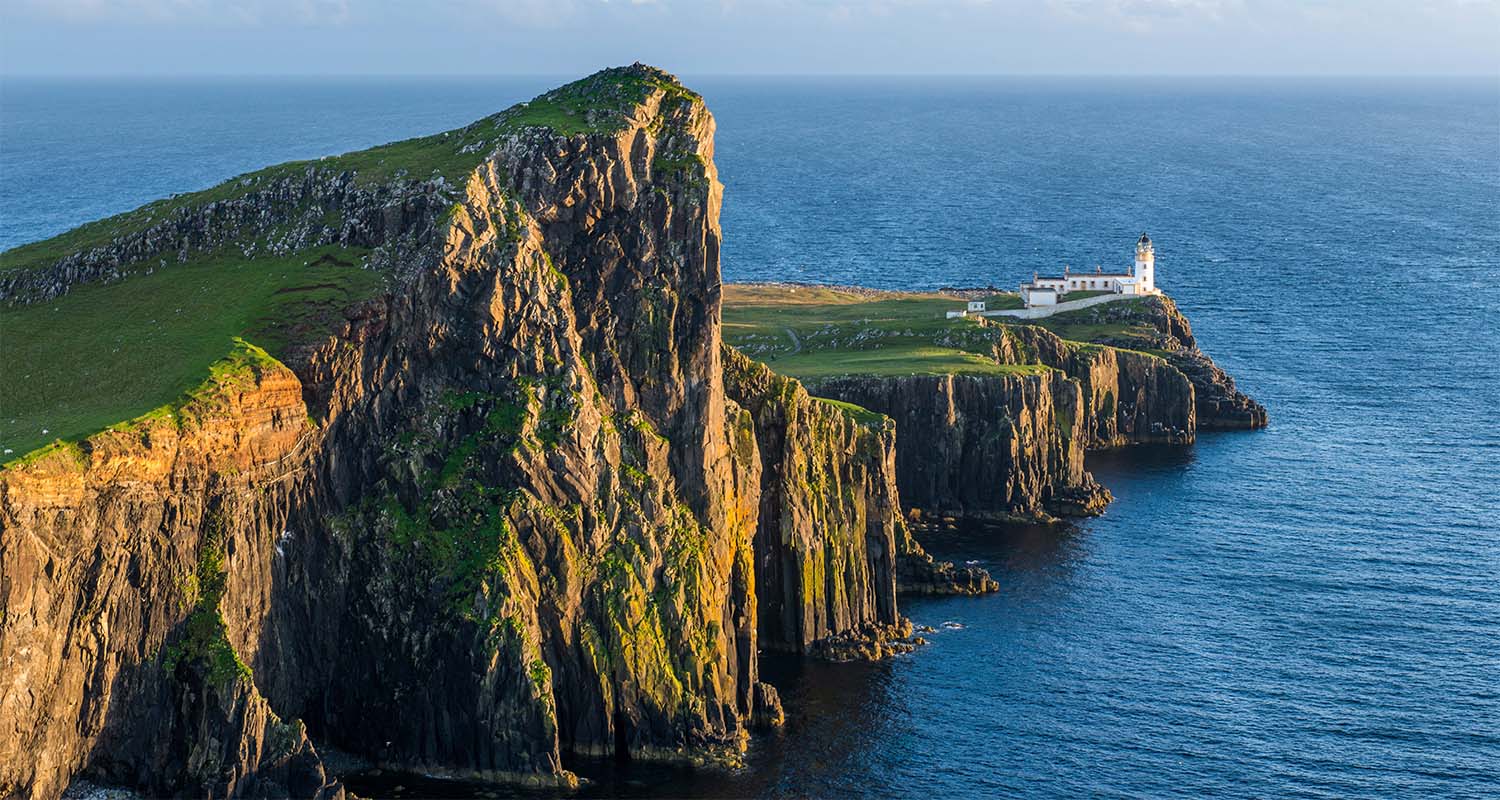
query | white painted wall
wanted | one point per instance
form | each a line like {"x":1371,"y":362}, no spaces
{"x":1093,"y":283}
{"x":1037,"y":311}
{"x":1145,"y":269}
{"x":1039,"y":296}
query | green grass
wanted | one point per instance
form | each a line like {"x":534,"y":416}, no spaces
{"x":896,"y":361}
{"x":107,"y":353}
{"x":596,"y":104}
{"x":205,"y":637}
{"x":820,"y":332}
{"x":859,"y":414}
{"x":1090,"y":325}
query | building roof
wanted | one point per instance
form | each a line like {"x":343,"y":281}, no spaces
{"x":1144,"y":240}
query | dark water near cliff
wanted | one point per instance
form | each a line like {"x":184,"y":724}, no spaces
{"x":1311,"y":610}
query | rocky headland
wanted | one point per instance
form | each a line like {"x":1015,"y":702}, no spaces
{"x":993,"y":419}
{"x":520,"y":503}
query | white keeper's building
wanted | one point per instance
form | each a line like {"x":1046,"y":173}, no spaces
{"x":1140,"y":280}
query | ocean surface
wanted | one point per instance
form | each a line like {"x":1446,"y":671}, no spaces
{"x":1312,"y":610}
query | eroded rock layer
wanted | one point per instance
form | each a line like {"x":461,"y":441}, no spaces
{"x":1219,"y":405}
{"x":996,"y":447}
{"x":984,"y":447}
{"x":117,"y":560}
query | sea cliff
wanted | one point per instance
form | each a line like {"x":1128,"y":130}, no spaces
{"x":500,"y":514}
{"x":993,"y":417}
{"x":831,"y":521}
{"x":983,"y":447}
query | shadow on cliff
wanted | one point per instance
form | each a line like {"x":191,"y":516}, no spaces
{"x":122,"y":751}
{"x":831,"y":706}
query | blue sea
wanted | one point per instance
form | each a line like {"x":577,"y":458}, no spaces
{"x":1312,"y":610}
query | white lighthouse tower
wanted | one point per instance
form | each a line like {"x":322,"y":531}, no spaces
{"x":1145,"y":265}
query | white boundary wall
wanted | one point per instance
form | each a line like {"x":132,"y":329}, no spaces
{"x":1069,"y":305}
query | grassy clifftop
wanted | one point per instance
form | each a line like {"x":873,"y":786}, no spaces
{"x":813,"y":332}
{"x":810,"y":332}
{"x":106,"y":352}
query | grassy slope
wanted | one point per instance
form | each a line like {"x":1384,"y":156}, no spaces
{"x":899,"y":332}
{"x":1086,"y":325}
{"x":859,"y":414}
{"x":106,"y":353}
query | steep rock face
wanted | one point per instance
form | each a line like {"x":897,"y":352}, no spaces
{"x":1006,"y":447}
{"x":832,"y":546}
{"x":983,"y":447}
{"x":98,"y":547}
{"x":829,"y":518}
{"x":1219,"y":405}
{"x":544,"y":503}
{"x":504,"y":515}
{"x":1132,"y":398}
{"x":1129,"y":397}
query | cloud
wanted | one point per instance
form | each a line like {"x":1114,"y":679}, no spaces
{"x":1144,"y":16}
{"x":216,"y":12}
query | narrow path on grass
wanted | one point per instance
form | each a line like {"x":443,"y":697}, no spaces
{"x":796,"y":343}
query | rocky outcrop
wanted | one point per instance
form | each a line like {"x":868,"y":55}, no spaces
{"x":829,"y":497}
{"x":541,"y":492}
{"x":988,"y":447}
{"x":919,"y":573}
{"x":1129,"y":397}
{"x":505,"y":515}
{"x":1156,"y":324}
{"x":829,"y":515}
{"x":829,"y":519}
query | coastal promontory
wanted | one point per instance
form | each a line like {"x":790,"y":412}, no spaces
{"x":456,"y":454}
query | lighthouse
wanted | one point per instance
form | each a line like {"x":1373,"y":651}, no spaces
{"x":1145,"y":265}
{"x":1139,"y":280}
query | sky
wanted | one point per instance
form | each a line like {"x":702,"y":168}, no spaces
{"x":701,"y":37}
